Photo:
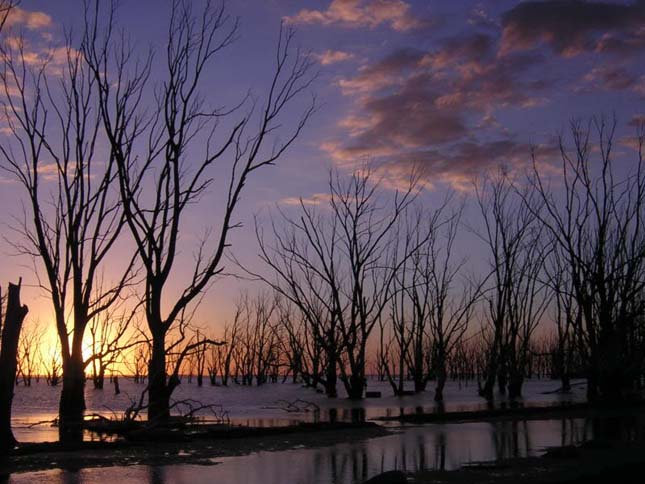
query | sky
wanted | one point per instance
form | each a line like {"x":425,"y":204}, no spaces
{"x":455,"y":88}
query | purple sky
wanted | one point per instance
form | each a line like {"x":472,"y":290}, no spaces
{"x":454,"y":87}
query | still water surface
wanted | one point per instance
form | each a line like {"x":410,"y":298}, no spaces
{"x":409,"y":447}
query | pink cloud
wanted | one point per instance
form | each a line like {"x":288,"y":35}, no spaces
{"x":33,"y":20}
{"x":333,"y":56}
{"x":361,"y":13}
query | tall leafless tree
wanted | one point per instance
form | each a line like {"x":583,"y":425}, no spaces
{"x":516,"y":299}
{"x":336,"y":267}
{"x":73,"y":216}
{"x":156,"y":145}
{"x":595,"y":218}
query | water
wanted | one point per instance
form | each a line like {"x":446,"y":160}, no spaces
{"x":265,"y":405}
{"x":409,"y":447}
{"x":444,"y":446}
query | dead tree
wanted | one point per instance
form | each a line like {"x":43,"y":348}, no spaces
{"x":11,"y":325}
{"x":159,"y":146}
{"x":52,"y":365}
{"x":29,"y":363}
{"x":515,"y":299}
{"x":73,"y":216}
{"x":597,"y":228}
{"x":335,"y":269}
{"x":140,"y":358}
{"x":221,"y":357}
{"x":307,"y":284}
{"x":451,"y":302}
{"x":113,"y":332}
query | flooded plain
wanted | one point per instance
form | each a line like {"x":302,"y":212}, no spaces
{"x":408,"y":447}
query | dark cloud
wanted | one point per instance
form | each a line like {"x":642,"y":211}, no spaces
{"x":475,"y":46}
{"x":612,"y":78}
{"x":461,"y":164}
{"x":623,"y":43}
{"x":405,"y":119}
{"x":573,"y":26}
{"x":415,"y":105}
{"x":439,"y":108}
{"x":384,"y":72}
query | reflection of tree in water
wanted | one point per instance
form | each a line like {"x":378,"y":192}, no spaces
{"x":505,"y":437}
{"x":440,"y":451}
{"x":574,"y":431}
{"x":359,"y":464}
{"x":624,"y":428}
{"x":157,"y":475}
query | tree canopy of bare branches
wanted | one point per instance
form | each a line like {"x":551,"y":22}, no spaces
{"x":72,"y":217}
{"x":152,"y":147}
{"x":594,"y":216}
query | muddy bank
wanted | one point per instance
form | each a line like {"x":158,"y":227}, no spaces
{"x":200,"y":448}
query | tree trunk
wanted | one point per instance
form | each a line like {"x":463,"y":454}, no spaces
{"x":331,"y":377}
{"x":158,"y":395}
{"x":515,"y":385}
{"x":356,"y":386}
{"x":8,"y":363}
{"x":72,"y":399}
{"x":441,"y":381}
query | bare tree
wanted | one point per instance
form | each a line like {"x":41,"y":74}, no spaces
{"x":113,"y":332}
{"x":180,"y":119}
{"x":140,"y":358}
{"x":516,"y":300}
{"x":306,"y":282}
{"x":52,"y":364}
{"x":73,"y":217}
{"x":451,"y":302}
{"x":29,"y":363}
{"x":336,"y":269}
{"x":567,"y":316}
{"x":220,"y":358}
{"x":597,"y":229}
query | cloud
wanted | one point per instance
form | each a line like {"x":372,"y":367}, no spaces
{"x":404,"y":119}
{"x":637,"y":120}
{"x":428,"y":107}
{"x":447,"y":107}
{"x":459,"y":165}
{"x":611,"y":78}
{"x":315,"y":199}
{"x":333,"y":56}
{"x":32,"y":20}
{"x":388,"y":71}
{"x":361,"y":13}
{"x":571,"y":27}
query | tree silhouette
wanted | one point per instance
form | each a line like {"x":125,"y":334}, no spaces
{"x":167,"y":159}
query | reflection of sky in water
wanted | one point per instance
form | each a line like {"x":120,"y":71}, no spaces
{"x":259,"y":406}
{"x":415,"y":447}
{"x":444,"y":446}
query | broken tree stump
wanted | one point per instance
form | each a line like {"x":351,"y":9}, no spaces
{"x":14,"y":317}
